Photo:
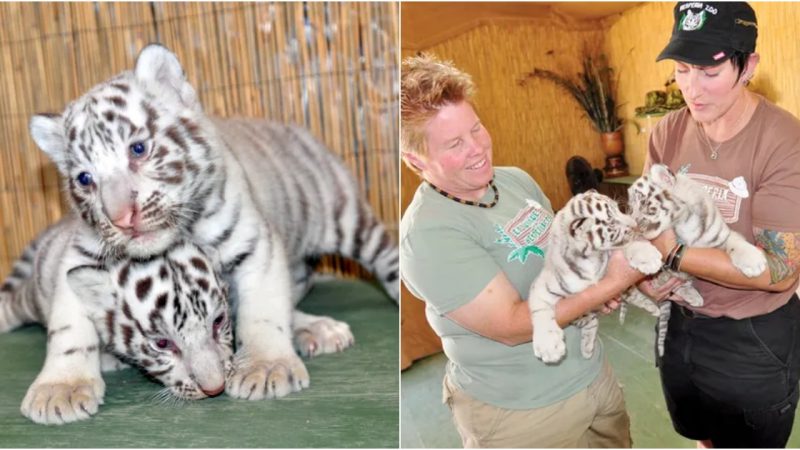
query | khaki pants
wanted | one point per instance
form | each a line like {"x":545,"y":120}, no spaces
{"x":594,"y":417}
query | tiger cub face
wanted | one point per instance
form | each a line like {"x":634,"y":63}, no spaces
{"x":168,"y":315}
{"x":595,"y":221}
{"x":137,"y":157}
{"x":651,"y":202}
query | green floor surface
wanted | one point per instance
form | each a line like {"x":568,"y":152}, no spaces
{"x":426,"y":422}
{"x":352,"y":400}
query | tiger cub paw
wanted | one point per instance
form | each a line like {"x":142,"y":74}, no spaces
{"x":254,"y":378}
{"x":325,"y":335}
{"x":548,"y":342}
{"x":749,"y":260}
{"x":57,"y":403}
{"x":644,"y":257}
{"x":689,"y":294}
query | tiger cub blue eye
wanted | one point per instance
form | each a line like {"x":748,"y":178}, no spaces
{"x":138,"y":150}
{"x":85,"y":178}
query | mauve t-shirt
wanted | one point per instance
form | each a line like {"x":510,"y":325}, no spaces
{"x":755,"y":182}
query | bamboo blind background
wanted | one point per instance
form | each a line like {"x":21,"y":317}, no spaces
{"x":331,"y":67}
{"x":634,"y":41}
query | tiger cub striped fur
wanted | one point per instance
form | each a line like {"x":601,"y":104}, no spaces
{"x":145,"y":167}
{"x":584,"y":232}
{"x":659,"y":200}
{"x":167,"y":315}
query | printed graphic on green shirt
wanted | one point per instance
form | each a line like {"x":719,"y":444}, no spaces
{"x":528,"y":232}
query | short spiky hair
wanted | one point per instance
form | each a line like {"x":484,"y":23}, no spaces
{"x":426,"y":85}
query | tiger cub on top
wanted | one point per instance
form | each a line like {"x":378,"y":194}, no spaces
{"x":659,"y":200}
{"x":585,"y":231}
{"x":144,"y":168}
{"x":167,"y":315}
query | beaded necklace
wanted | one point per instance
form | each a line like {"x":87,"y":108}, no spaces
{"x":469,"y":202}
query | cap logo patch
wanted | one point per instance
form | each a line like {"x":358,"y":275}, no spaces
{"x":691,"y":21}
{"x":719,"y":56}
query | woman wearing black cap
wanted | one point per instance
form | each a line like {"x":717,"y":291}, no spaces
{"x":730,"y":368}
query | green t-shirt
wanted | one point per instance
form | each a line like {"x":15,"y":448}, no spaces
{"x":449,"y":252}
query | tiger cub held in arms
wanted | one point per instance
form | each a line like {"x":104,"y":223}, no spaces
{"x":659,"y":200}
{"x":145,"y":167}
{"x":167,"y":315}
{"x":585,"y":231}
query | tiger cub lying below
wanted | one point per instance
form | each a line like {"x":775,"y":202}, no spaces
{"x":659,"y":200}
{"x":584,"y":232}
{"x":167,"y":315}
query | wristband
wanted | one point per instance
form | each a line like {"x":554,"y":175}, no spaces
{"x":677,"y":258}
{"x":671,"y":256}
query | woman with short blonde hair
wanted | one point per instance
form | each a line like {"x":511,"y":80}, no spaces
{"x":460,"y":242}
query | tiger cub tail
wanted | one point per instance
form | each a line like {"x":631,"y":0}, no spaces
{"x":17,"y":293}
{"x":375,"y":249}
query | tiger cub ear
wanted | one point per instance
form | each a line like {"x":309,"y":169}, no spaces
{"x":93,"y":285}
{"x":159,"y":69}
{"x":47,"y":131}
{"x":662,"y":176}
{"x":576,"y":225}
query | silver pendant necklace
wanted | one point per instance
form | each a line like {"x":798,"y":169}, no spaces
{"x":715,"y":148}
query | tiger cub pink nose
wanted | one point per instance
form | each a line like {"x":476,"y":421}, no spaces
{"x":213,"y":392}
{"x":125,"y":219}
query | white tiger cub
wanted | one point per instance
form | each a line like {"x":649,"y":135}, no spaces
{"x":145,"y":167}
{"x":584,"y":232}
{"x":167,"y":315}
{"x":659,"y":200}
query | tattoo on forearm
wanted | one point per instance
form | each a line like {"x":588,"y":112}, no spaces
{"x":778,"y":269}
{"x":782,"y":250}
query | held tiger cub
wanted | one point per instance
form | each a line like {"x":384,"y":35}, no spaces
{"x":584,"y":232}
{"x":145,"y":167}
{"x":167,"y":315}
{"x":659,"y":200}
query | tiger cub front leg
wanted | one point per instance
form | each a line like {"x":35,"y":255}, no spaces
{"x":265,"y":364}
{"x":69,"y":387}
{"x":548,"y":337}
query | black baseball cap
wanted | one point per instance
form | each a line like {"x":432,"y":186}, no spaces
{"x":707,"y":33}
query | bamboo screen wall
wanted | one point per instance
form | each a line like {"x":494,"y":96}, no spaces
{"x":331,"y":67}
{"x":535,"y":127}
{"x":634,"y":41}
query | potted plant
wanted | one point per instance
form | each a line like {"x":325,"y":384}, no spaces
{"x":593,"y":89}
